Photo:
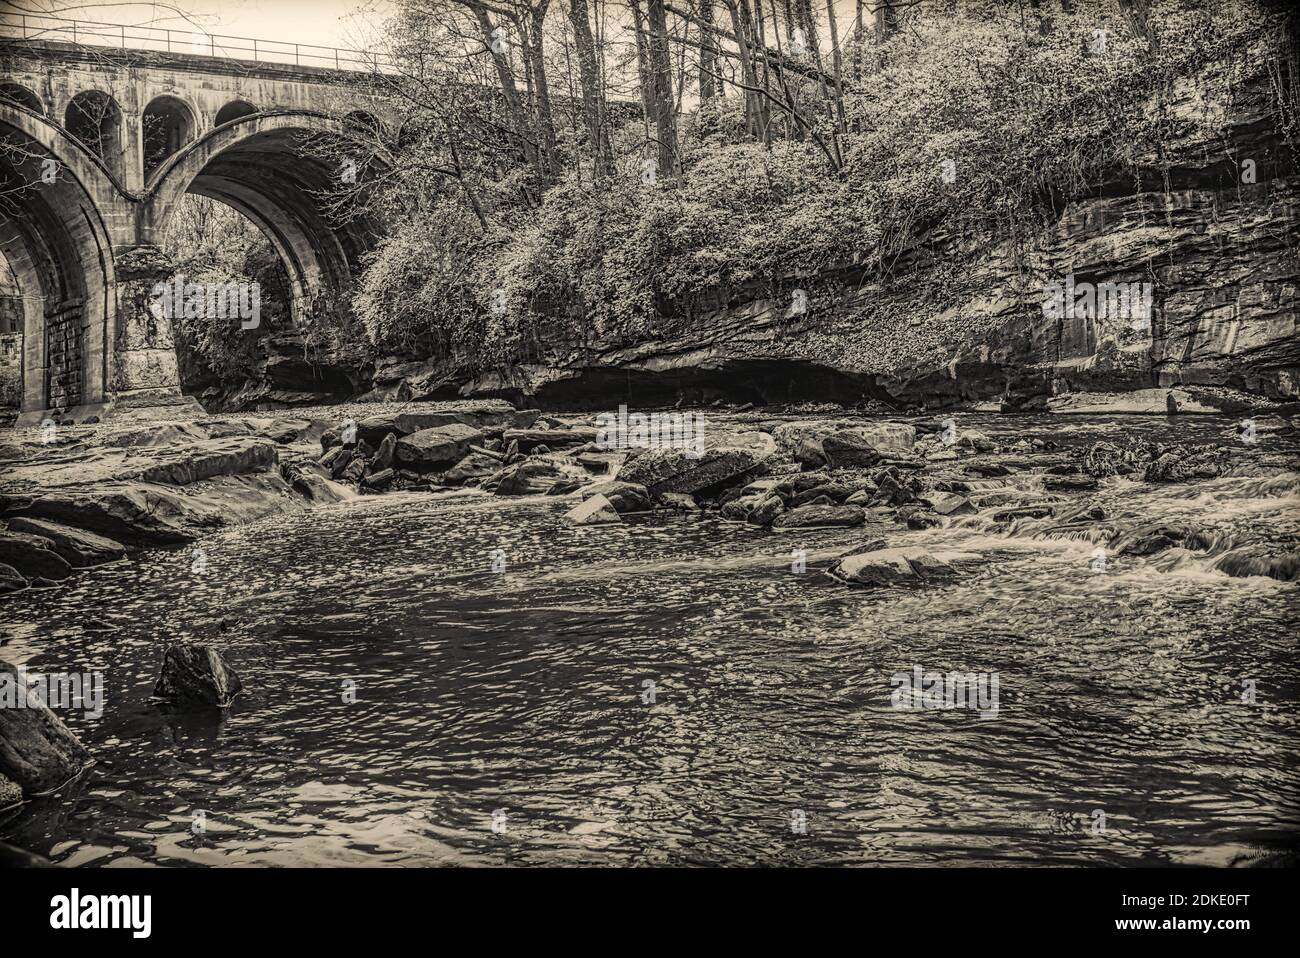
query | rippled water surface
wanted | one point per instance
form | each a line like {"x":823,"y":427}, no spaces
{"x":520,"y":693}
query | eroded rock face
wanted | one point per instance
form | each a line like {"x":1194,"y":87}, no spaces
{"x":1219,"y":254}
{"x":196,"y":676}
{"x":37,"y":751}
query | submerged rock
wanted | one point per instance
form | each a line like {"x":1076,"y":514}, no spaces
{"x":37,"y":751}
{"x":78,"y":547}
{"x":196,"y":675}
{"x":1261,"y":560}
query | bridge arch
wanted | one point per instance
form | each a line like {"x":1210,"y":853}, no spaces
{"x":94,"y":118}
{"x":234,"y":110}
{"x":57,"y":243}
{"x":256,"y":164}
{"x":167,"y":123}
{"x":21,"y":95}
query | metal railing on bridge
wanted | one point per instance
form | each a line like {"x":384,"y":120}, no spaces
{"x":196,"y":42}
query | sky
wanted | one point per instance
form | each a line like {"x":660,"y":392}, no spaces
{"x":332,"y":23}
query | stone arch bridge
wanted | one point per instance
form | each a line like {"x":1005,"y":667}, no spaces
{"x":97,"y":145}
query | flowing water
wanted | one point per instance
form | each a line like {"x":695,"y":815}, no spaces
{"x":669,"y":691}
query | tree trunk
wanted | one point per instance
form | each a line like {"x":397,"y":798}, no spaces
{"x":593,"y":97}
{"x":545,"y":119}
{"x":509,"y":92}
{"x":662,"y":83}
{"x":708,"y":53}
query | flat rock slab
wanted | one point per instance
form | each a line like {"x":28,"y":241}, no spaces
{"x":886,"y":439}
{"x":593,"y":512}
{"x":37,"y":751}
{"x":173,"y":465}
{"x":77,"y":546}
{"x":196,"y":676}
{"x":551,"y":438}
{"x":1149,"y":401}
{"x":137,"y":513}
{"x":673,"y":470}
{"x":883,"y":567}
{"x":437,"y":448}
{"x":373,"y":428}
{"x":814,"y":516}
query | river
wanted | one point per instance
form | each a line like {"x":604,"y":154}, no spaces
{"x":671,"y":692}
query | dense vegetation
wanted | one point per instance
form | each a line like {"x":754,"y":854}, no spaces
{"x":557,"y":173}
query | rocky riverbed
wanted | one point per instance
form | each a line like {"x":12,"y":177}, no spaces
{"x":913,"y":521}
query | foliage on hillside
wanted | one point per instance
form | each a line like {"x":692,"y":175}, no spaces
{"x":1020,"y":119}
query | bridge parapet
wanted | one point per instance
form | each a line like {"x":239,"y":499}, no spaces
{"x":96,"y":36}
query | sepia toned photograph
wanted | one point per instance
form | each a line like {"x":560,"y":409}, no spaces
{"x":649,"y":434}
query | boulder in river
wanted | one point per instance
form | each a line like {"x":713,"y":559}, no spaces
{"x":196,"y":675}
{"x":1180,"y":464}
{"x":820,"y":516}
{"x":676,"y":470}
{"x":37,"y":751}
{"x":78,"y":547}
{"x":33,"y":556}
{"x":680,"y":501}
{"x":11,"y":580}
{"x":531,"y":477}
{"x":868,"y":445}
{"x":386,"y":454}
{"x":592,"y":512}
{"x":948,"y":503}
{"x":10,"y":793}
{"x":766,"y":510}
{"x":1264,"y":560}
{"x":882,"y":567}
{"x":623,"y":496}
{"x":430,"y":450}
{"x":476,"y":465}
{"x":529,"y":439}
